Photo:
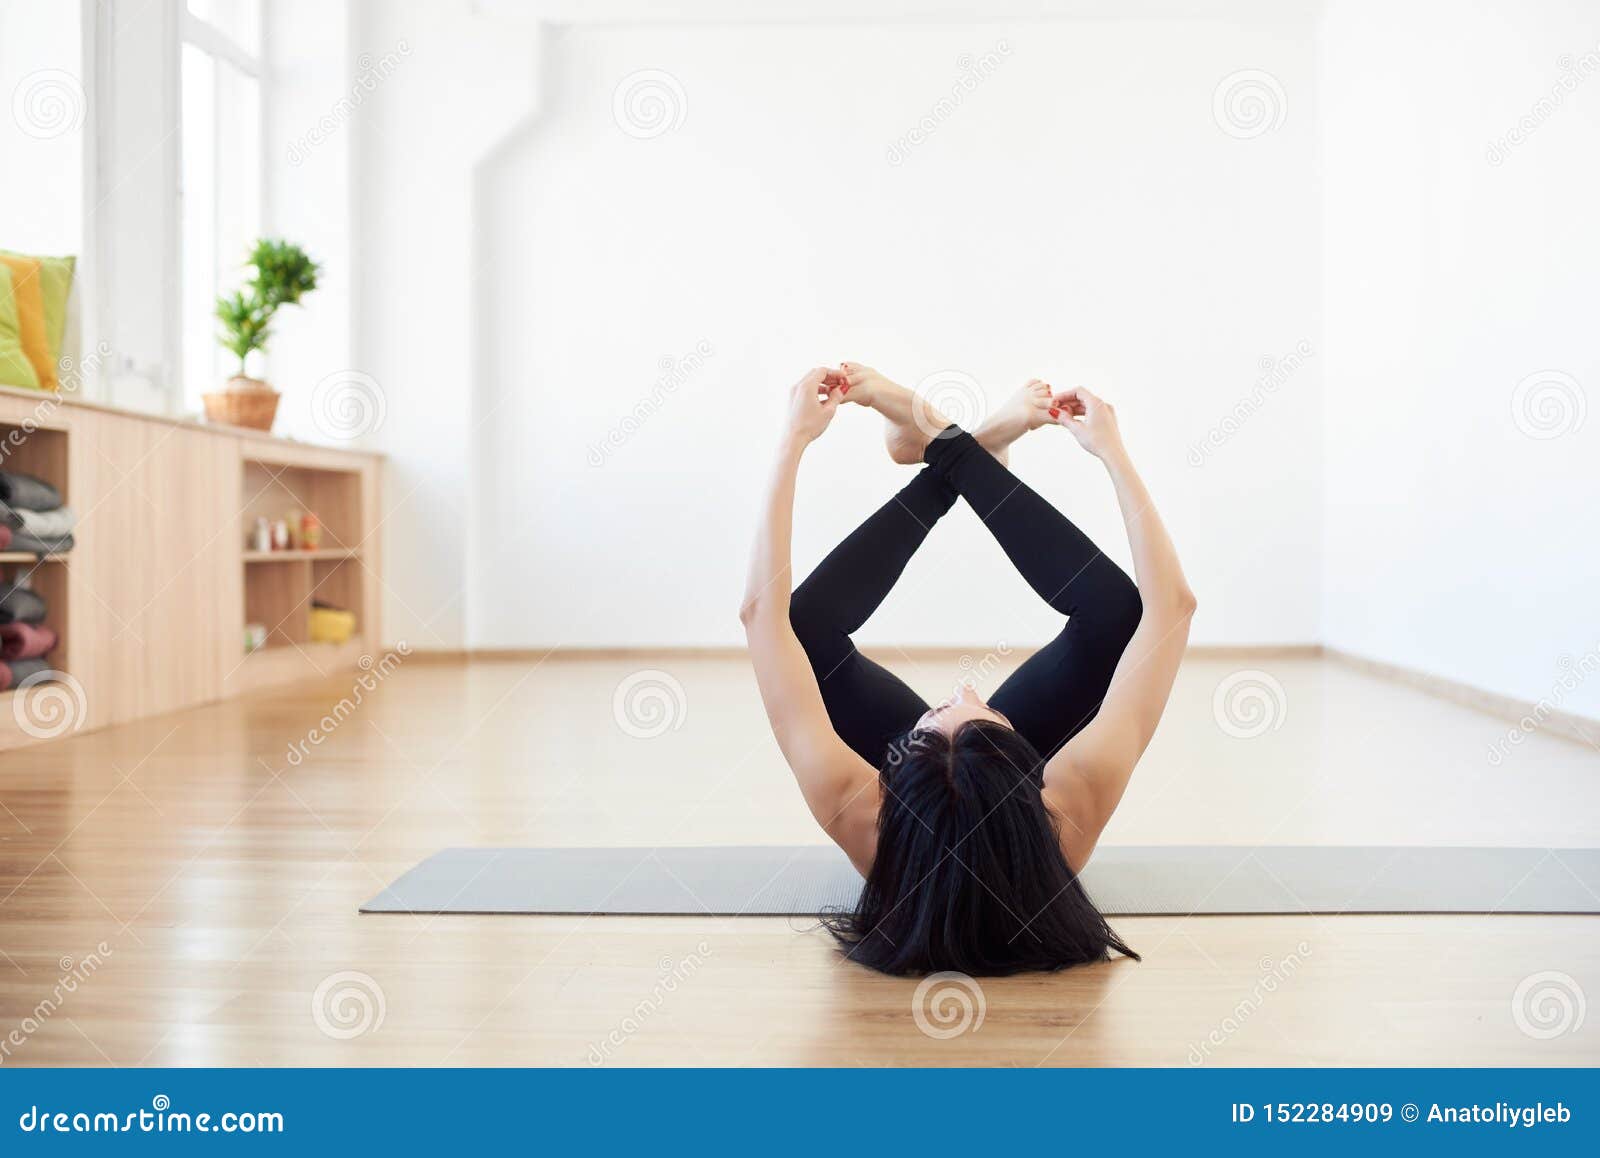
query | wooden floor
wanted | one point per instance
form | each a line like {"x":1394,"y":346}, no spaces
{"x":183,"y":891}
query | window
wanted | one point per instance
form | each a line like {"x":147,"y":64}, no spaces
{"x":221,"y":79}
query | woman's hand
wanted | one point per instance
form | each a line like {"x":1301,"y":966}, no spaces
{"x":1091,"y":419}
{"x":813,"y":401}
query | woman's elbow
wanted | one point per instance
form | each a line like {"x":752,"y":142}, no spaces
{"x":759,"y":608}
{"x":1174,"y":605}
{"x":1185,"y":600}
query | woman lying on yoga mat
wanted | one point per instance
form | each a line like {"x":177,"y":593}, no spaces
{"x":969,"y":820}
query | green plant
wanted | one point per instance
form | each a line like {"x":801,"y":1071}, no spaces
{"x":283,"y":275}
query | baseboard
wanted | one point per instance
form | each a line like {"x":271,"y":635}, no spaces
{"x":1526,"y":715}
{"x":1257,"y":651}
{"x":536,"y":654}
{"x":738,"y":651}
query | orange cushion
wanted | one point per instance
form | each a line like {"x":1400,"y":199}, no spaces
{"x":29,"y":296}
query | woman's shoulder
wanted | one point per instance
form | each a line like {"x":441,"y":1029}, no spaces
{"x":1078,"y":825}
{"x":855,"y":827}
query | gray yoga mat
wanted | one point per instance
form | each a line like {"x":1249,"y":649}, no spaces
{"x":767,"y":880}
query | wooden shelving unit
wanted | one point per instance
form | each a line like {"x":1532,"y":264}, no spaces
{"x":280,"y":586}
{"x":42,"y":452}
{"x":150,"y":604}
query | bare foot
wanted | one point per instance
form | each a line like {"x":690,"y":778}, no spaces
{"x":904,"y":442}
{"x":1027,"y":409}
{"x":907,"y":421}
{"x":863,"y":384}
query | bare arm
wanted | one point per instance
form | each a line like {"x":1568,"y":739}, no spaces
{"x":1087,"y":778}
{"x":839,"y":787}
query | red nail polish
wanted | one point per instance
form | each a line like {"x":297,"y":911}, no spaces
{"x":847,"y":389}
{"x":1054,"y":413}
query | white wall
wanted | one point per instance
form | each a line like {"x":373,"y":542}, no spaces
{"x":510,"y":268}
{"x":1458,"y":264}
{"x":43,"y":124}
{"x":315,"y":90}
{"x":465,"y":82}
{"x":1081,"y":216}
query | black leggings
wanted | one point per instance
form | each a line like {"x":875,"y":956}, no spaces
{"x":1051,"y":696}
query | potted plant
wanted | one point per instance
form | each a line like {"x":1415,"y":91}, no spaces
{"x":283,"y":275}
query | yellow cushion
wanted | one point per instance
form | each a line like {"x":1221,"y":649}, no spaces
{"x":28,"y":295}
{"x":55,"y":286}
{"x":15,"y":369}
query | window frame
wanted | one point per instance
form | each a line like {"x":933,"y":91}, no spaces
{"x":225,"y":51}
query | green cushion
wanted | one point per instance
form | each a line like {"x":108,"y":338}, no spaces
{"x":15,"y":369}
{"x":55,"y":283}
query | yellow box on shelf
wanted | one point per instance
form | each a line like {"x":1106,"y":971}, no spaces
{"x":328,"y":625}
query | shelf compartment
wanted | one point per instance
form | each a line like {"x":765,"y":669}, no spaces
{"x":291,"y":555}
{"x":334,"y":496}
{"x":41,"y":452}
{"x":278,"y":598}
{"x":337,"y":582}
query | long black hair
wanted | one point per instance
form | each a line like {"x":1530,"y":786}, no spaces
{"x":969,"y":873}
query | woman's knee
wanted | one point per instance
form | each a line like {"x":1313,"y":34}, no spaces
{"x":1123,"y":608}
{"x":806,"y":618}
{"x":802,"y":606}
